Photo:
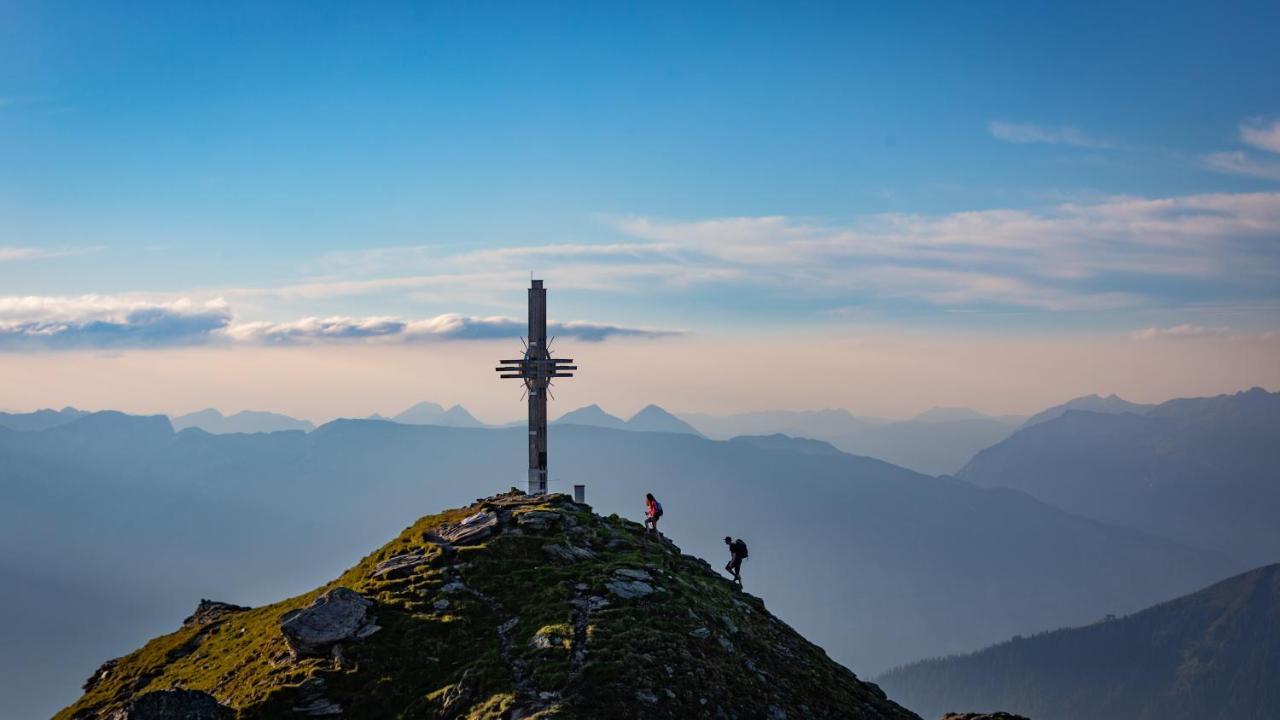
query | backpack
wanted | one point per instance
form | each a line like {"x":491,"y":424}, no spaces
{"x":658,"y":507}
{"x":741,"y":548}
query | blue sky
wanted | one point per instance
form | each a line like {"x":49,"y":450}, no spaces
{"x":311,"y":173}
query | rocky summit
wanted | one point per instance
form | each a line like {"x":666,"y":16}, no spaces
{"x":515,"y":607}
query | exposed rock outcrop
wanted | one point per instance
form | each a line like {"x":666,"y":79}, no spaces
{"x":211,"y":611}
{"x":339,"y":615}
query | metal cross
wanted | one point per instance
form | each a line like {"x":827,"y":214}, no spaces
{"x":537,"y":368}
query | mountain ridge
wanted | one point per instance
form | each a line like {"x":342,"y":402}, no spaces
{"x":41,"y":419}
{"x":246,"y":421}
{"x":429,"y":413}
{"x":1210,"y":654}
{"x":515,"y":606}
{"x":1111,"y":404}
{"x":650,"y":418}
{"x":1197,"y":470}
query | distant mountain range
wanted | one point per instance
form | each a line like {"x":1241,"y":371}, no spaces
{"x":40,"y":419}
{"x":881,"y":564}
{"x":1212,"y":654}
{"x":1109,"y":405}
{"x":817,"y":424}
{"x":429,"y":413}
{"x":1203,"y":471}
{"x":937,"y":442}
{"x":248,"y":421}
{"x":650,"y":419}
{"x":953,"y":414}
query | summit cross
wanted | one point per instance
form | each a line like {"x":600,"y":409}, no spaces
{"x":537,"y":369}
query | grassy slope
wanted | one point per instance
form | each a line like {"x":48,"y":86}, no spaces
{"x":431,"y":661}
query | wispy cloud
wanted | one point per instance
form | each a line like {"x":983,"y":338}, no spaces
{"x":1110,"y":252}
{"x":1261,"y":134}
{"x":1241,"y":163}
{"x":14,"y":254}
{"x":1025,"y":133}
{"x":1071,"y":256}
{"x":1177,"y":331}
{"x":93,"y":321}
{"x":1257,"y":133}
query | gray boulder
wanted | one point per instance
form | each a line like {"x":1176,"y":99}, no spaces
{"x":339,"y":615}
{"x":174,"y":705}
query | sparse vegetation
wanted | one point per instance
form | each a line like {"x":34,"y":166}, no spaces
{"x":478,"y":630}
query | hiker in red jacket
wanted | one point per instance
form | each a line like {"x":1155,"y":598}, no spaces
{"x":652,"y":511}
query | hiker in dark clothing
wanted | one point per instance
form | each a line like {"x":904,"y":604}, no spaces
{"x":737,"y":553}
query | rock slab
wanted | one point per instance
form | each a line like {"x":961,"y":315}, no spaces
{"x":339,"y":615}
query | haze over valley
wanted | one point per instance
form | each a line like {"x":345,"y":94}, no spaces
{"x":849,"y":549}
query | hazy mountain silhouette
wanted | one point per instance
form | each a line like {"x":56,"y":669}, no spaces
{"x":40,"y":419}
{"x":1212,"y":654}
{"x":429,"y":413}
{"x":1111,"y":404}
{"x":592,"y":415}
{"x":937,"y":442}
{"x":652,"y":418}
{"x":248,"y":421}
{"x":817,"y":424}
{"x":950,"y":414}
{"x":936,"y":447}
{"x":878,"y":564}
{"x":778,"y":441}
{"x":1199,"y":470}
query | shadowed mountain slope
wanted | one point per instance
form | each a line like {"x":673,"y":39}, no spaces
{"x":1204,"y":471}
{"x":1212,"y":655}
{"x":515,"y":606}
